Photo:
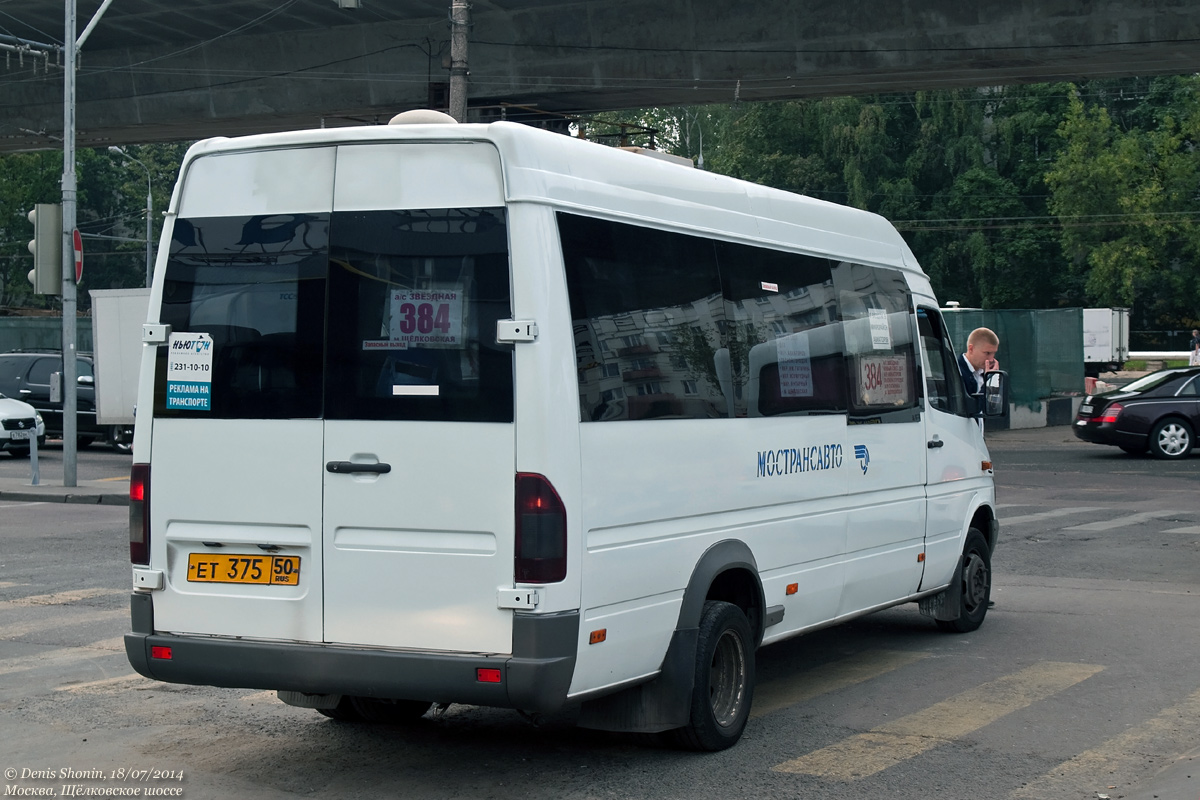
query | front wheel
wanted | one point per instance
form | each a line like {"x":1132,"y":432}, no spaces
{"x":723,"y":687}
{"x":1172,"y":438}
{"x":976,"y":578}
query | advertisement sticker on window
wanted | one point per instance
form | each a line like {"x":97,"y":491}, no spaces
{"x":189,"y":371}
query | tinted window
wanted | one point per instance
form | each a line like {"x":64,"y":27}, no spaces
{"x":414,"y":297}
{"x":785,"y":340}
{"x":650,"y":335}
{"x":371,"y":315}
{"x":875,"y":308}
{"x":675,"y":325}
{"x":257,"y":286}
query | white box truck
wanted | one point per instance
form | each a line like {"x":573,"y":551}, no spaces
{"x":1105,"y":340}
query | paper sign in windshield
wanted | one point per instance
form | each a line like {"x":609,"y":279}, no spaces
{"x":422,"y":318}
{"x":881,"y":334}
{"x":883,"y":380}
{"x":189,"y":371}
{"x":795,"y":366}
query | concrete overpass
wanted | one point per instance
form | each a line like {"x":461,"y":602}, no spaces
{"x":154,"y":71}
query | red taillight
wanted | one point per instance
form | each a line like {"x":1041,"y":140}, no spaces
{"x":1109,"y":414}
{"x":160,"y":652}
{"x":139,"y":514}
{"x":484,"y":675}
{"x":541,"y":531}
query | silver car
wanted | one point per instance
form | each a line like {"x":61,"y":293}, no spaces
{"x":19,"y":422}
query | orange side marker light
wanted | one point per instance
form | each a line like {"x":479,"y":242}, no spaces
{"x":596,"y":637}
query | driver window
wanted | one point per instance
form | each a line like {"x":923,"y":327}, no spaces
{"x":943,"y":383}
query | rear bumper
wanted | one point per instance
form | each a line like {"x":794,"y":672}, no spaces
{"x":1107,"y":433}
{"x":534,"y":678}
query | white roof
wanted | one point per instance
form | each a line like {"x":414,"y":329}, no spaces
{"x":573,"y":174}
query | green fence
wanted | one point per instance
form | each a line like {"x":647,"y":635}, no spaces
{"x":1040,"y":349}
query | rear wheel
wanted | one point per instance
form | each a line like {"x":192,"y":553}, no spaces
{"x":724,"y":682}
{"x":976,"y":578}
{"x":1171,"y":438}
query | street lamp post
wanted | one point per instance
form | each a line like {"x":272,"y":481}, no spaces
{"x":149,"y":211}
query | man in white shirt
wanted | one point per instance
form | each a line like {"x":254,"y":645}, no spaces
{"x":980,"y":357}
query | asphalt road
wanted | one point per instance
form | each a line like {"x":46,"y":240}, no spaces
{"x":1084,"y":680}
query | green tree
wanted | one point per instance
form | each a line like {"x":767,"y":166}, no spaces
{"x":1126,"y":200}
{"x":110,"y":213}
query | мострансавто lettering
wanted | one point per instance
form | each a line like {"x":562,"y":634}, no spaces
{"x":790,"y":460}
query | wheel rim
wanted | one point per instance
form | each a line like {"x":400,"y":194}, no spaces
{"x":727,"y":679}
{"x":976,"y":581}
{"x":1173,"y":439}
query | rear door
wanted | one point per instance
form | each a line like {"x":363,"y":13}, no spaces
{"x":419,"y":437}
{"x":237,"y":437}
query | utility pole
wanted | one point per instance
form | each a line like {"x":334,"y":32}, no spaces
{"x":70,"y":386}
{"x":70,"y":373}
{"x":460,"y":24}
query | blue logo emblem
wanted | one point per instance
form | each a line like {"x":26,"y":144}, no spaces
{"x":864,"y":458}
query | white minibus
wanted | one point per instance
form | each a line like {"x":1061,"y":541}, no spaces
{"x":485,"y":414}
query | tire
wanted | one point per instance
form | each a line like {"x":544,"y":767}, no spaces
{"x":976,"y":577}
{"x":120,"y":438}
{"x":389,"y":712}
{"x":723,"y":688}
{"x":1171,"y":438}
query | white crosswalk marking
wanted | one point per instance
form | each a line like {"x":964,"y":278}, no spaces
{"x":1038,"y":517}
{"x":1161,"y":734}
{"x":18,"y":629}
{"x":66,"y":655}
{"x":1125,"y":521}
{"x":896,"y":741}
{"x":62,"y":598}
{"x":1193,"y":529}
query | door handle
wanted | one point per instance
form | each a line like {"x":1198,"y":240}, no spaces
{"x":347,"y":467}
{"x":932,"y":443}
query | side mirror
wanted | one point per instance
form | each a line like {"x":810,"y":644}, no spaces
{"x":995,"y":394}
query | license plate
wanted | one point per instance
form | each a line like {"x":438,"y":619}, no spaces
{"x":22,"y":434}
{"x":267,"y":570}
{"x":1085,"y":409}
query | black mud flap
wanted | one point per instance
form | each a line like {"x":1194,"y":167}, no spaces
{"x":947,"y":604}
{"x":662,"y":704}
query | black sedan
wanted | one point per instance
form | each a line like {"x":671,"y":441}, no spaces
{"x":1159,"y":412}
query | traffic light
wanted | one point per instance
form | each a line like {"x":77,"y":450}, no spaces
{"x":46,"y":275}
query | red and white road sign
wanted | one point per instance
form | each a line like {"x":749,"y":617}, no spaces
{"x":77,"y":242}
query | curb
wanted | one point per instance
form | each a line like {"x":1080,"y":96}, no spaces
{"x":81,"y":499}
